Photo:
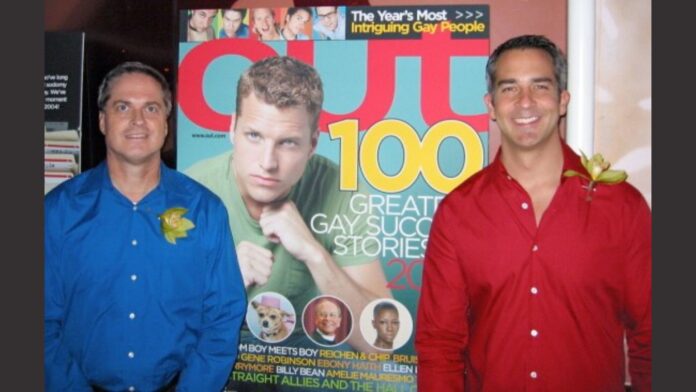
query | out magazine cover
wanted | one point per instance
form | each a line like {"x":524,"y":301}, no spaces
{"x":403,"y":123}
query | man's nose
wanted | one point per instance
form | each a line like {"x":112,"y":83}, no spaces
{"x":137,"y":117}
{"x":269,"y":160}
{"x":526,"y":98}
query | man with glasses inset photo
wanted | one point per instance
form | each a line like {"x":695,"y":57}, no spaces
{"x":330,"y":23}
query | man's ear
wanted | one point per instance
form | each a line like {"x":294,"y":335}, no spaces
{"x":488,"y":100}
{"x":230,"y":131}
{"x":565,"y":98}
{"x":314,"y":140}
{"x":101,"y":123}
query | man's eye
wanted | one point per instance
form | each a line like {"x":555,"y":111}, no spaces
{"x":253,"y":135}
{"x":289,"y":143}
{"x":121,"y":107}
{"x":152,"y":109}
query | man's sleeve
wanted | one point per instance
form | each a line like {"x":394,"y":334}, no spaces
{"x":638,"y":278}
{"x":62,"y":373}
{"x":441,"y":341}
{"x":208,"y":367}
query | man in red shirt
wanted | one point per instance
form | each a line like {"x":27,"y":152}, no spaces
{"x":532,"y":279}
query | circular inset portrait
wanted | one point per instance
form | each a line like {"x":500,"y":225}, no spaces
{"x":386,"y":324}
{"x":327,"y":321}
{"x":270,"y":317}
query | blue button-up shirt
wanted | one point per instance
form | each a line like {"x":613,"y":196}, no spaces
{"x":124,"y":308}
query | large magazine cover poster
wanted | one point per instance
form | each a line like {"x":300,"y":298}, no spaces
{"x":403,"y":123}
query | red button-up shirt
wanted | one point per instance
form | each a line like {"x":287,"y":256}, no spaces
{"x":507,"y":305}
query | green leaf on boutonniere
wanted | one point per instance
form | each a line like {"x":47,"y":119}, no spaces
{"x":573,"y":173}
{"x":174,"y":225}
{"x":612,"y":177}
{"x":599,"y":172}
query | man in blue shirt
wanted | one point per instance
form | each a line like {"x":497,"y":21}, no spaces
{"x":142,"y":286}
{"x":233,"y":24}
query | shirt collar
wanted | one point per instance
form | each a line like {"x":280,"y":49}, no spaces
{"x":99,"y":179}
{"x":571,"y":161}
{"x":330,"y":338}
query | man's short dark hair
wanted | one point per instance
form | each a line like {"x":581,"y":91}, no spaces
{"x":240,"y":11}
{"x":560,"y":64}
{"x":129,"y":68}
{"x":332,"y":6}
{"x":385,"y":305}
{"x":293,"y":10}
{"x":283,"y":82}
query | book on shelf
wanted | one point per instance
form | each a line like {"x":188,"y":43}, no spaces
{"x":60,"y":163}
{"x":61,"y":135}
{"x":53,"y":178}
{"x":62,"y":147}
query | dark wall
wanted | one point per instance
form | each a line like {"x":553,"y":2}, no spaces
{"x":116,"y":31}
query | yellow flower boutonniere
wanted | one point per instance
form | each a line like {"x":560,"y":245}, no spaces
{"x":599,"y":172}
{"x":174,"y":225}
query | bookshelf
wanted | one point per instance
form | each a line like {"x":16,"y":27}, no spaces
{"x":63,"y":86}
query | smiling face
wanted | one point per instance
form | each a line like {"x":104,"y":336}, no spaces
{"x":264,"y":23}
{"x":328,"y":17}
{"x":328,"y":317}
{"x":296,"y":22}
{"x":525,"y":101}
{"x":134,"y":120}
{"x":231,"y":20}
{"x":271,"y":149}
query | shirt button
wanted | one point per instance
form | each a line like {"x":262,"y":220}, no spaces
{"x":534,"y":290}
{"x":131,"y":354}
{"x":134,"y":242}
{"x":134,"y":277}
{"x":525,"y":205}
{"x":534,"y":333}
{"x":533,"y":374}
{"x":535,"y":248}
{"x":131,"y":388}
{"x":135,"y":206}
{"x":131,"y":316}
{"x":509,"y":178}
